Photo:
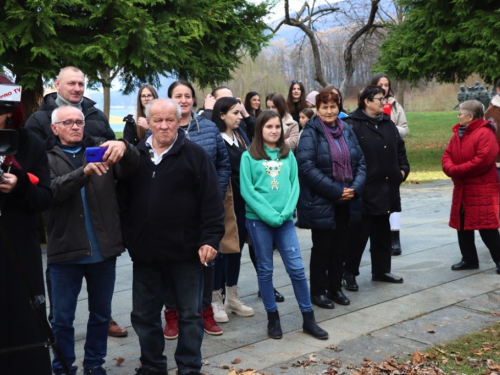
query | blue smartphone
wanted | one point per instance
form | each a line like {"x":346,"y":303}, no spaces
{"x":94,"y":154}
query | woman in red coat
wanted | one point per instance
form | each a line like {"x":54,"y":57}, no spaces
{"x":469,"y":160}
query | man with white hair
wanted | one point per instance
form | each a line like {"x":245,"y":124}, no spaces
{"x":172,"y":218}
{"x":84,"y":234}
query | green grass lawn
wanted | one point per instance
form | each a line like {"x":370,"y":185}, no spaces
{"x":429,"y":135}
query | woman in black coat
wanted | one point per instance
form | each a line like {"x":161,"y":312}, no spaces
{"x":332,"y":174}
{"x":387,"y":168}
{"x":20,"y":201}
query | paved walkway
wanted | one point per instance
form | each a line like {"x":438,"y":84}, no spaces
{"x":382,"y":319}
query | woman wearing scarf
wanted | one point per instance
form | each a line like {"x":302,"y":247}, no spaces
{"x":387,"y":168}
{"x":332,"y":173}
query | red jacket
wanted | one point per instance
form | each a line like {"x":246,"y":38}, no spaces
{"x":470,"y":162}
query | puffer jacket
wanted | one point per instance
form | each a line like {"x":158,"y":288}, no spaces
{"x":67,"y":237}
{"x":96,"y":122}
{"x":385,"y":156}
{"x":319,"y":191}
{"x":470,"y":162}
{"x":205,"y":133}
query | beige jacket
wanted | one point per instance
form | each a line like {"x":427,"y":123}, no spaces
{"x":399,"y":117}
{"x":291,"y":129}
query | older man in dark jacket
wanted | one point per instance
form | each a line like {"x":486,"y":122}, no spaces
{"x":84,"y":234}
{"x":387,"y":168}
{"x":173,"y":221}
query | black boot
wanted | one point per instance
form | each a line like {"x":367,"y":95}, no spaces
{"x":273,"y":325}
{"x":395,"y":243}
{"x":310,"y":326}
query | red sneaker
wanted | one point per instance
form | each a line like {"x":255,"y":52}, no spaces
{"x":171,"y":330}
{"x":209,"y":324}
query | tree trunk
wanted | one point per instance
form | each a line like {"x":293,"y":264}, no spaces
{"x":106,"y":80}
{"x":31,"y":98}
{"x":400,"y":94}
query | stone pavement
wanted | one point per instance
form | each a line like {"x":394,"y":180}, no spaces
{"x":382,"y":319}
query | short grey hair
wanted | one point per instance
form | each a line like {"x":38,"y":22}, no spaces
{"x":54,"y":118}
{"x":473,"y":107}
{"x":177,"y":106}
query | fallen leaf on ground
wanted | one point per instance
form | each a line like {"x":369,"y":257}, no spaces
{"x":236,"y":361}
{"x":431,"y":331}
{"x":417,"y":357}
{"x":205,"y":363}
{"x":119,"y":360}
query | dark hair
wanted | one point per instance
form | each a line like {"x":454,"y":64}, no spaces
{"x":341,"y":100}
{"x":498,"y":84}
{"x":214,"y":91}
{"x":302,"y":100}
{"x":248,"y":105}
{"x":375,"y":80}
{"x":279,"y":102}
{"x":369,"y":93}
{"x":182,"y":82}
{"x":141,"y":111}
{"x":256,"y":149}
{"x":325,"y":96}
{"x":308,"y":112}
{"x":223,"y":105}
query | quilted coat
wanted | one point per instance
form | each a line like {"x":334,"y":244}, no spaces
{"x":318,"y":189}
{"x":470,"y":162}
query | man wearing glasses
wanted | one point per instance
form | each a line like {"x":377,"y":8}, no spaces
{"x":70,"y":86}
{"x":84,"y":233}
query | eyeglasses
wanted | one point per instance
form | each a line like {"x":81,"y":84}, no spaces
{"x":146,"y":96}
{"x":382,"y":99}
{"x":296,"y":81}
{"x":69,"y":123}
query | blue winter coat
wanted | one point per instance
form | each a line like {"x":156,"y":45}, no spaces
{"x":319,"y":191}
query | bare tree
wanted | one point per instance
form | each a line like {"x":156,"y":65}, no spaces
{"x":348,"y":57}
{"x":304,"y":19}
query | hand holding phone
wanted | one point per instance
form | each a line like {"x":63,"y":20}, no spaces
{"x":94,"y":154}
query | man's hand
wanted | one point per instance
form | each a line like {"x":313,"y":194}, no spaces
{"x":8,"y":182}
{"x":207,"y":253}
{"x":115,"y":151}
{"x":96,"y":168}
{"x":403,"y":174}
{"x":209,"y":102}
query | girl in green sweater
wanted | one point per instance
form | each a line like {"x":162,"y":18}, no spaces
{"x":270,"y":187}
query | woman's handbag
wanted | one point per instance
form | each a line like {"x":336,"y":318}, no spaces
{"x":230,"y":243}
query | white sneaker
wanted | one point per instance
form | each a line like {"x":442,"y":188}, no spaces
{"x":233,"y":303}
{"x":220,"y":315}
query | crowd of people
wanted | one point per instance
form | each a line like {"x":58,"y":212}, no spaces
{"x":184,"y":191}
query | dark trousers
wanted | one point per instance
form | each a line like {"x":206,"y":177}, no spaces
{"x":149,"y":282}
{"x":327,"y":255}
{"x":208,"y":285}
{"x":490,"y":237}
{"x":378,"y":229}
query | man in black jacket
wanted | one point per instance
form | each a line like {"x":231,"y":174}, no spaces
{"x":84,"y":234}
{"x":172,"y":222}
{"x":70,"y":86}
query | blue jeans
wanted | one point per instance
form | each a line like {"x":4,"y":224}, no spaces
{"x":66,"y":283}
{"x":285,"y":238}
{"x":186,"y":282}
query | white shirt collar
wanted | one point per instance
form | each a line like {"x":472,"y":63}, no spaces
{"x":155,"y":158}
{"x":229,"y":140}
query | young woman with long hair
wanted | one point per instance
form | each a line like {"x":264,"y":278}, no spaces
{"x":136,"y":124}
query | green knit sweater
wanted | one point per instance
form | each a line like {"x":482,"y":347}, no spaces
{"x":270,"y":188}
